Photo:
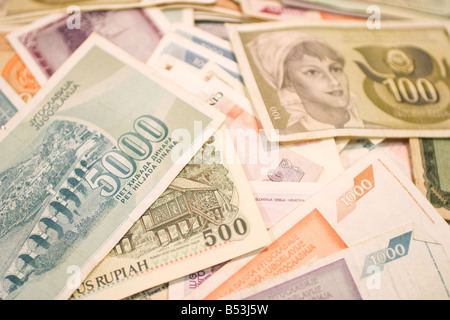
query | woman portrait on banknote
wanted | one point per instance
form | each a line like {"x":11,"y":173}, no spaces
{"x":309,"y":76}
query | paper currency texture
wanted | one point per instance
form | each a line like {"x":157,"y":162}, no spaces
{"x":405,"y":263}
{"x":205,"y":217}
{"x":48,"y":42}
{"x":78,"y":170}
{"x":431,"y":164}
{"x":367,"y":200}
{"x":334,"y":79}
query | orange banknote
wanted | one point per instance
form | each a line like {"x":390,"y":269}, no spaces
{"x":372,"y":197}
{"x":15,"y":72}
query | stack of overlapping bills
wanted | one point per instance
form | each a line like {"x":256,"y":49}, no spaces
{"x":211,"y":150}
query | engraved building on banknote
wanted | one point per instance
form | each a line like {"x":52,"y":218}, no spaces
{"x":202,"y":194}
{"x":186,"y":204}
{"x":183,"y":200}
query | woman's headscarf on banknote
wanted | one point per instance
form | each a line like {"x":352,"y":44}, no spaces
{"x":271,"y":52}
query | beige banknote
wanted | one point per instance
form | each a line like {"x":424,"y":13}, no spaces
{"x":160,"y":292}
{"x":29,"y":10}
{"x":370,"y":198}
{"x":221,"y":8}
{"x":403,"y":264}
{"x":431,"y":170}
{"x":205,"y":217}
{"x":313,"y":80}
{"x":400,"y":9}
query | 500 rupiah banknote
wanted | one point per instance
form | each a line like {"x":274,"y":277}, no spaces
{"x":92,"y":155}
{"x":206,"y":216}
{"x":311,"y":80}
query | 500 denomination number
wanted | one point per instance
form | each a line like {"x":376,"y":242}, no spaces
{"x":122,"y":164}
{"x":225,"y":232}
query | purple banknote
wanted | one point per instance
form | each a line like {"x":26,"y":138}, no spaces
{"x":51,"y":43}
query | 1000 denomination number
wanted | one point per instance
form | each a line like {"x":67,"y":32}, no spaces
{"x":122,"y":164}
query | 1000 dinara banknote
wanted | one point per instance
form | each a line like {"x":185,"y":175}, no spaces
{"x":100,"y":144}
{"x":370,"y":198}
{"x":311,"y":80}
{"x":403,"y":264}
{"x":205,"y":217}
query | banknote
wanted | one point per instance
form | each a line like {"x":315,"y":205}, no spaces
{"x":17,"y":84}
{"x":182,"y":15}
{"x":276,"y":202}
{"x":273,"y":204}
{"x":47,"y":43}
{"x":16,"y":74}
{"x":216,"y":28}
{"x":404,"y":264}
{"x":322,"y":152}
{"x":180,"y":288}
{"x":205,"y":217}
{"x":213,"y":70}
{"x":397,"y":149}
{"x":274,"y":10}
{"x":368,"y":199}
{"x":192,"y":53}
{"x":160,"y":292}
{"x":101,"y":143}
{"x":312,"y":80}
{"x":224,"y":8}
{"x":204,"y":39}
{"x":10,"y":104}
{"x":430,"y":162}
{"x":410,"y":9}
{"x":261,"y":161}
{"x":28,"y":10}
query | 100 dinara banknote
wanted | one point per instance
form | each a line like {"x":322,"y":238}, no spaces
{"x":100,"y":144}
{"x":311,"y":80}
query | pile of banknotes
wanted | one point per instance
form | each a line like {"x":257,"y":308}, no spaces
{"x":224,"y":150}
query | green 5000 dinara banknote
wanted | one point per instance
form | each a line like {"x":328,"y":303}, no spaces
{"x":101,"y":143}
{"x":313,"y":81}
{"x":206,"y":216}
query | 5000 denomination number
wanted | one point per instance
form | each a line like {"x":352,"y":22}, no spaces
{"x":122,"y":164}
